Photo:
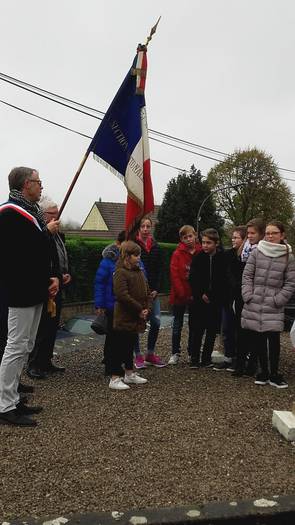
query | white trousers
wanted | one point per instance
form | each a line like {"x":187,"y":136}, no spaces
{"x":22,"y":330}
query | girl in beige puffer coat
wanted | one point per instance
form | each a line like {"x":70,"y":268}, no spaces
{"x":268,"y":284}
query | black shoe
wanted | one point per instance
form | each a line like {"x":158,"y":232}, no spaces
{"x":36,"y":373}
{"x":194,"y":365}
{"x":25,"y":389}
{"x":262,"y":379}
{"x":238,"y":372}
{"x":54,"y":369}
{"x":208,"y":364}
{"x":13,"y":417}
{"x":25,"y":410}
{"x":278,"y":381}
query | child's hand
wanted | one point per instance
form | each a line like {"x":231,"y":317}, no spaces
{"x":205,"y":298}
{"x":143,"y":314}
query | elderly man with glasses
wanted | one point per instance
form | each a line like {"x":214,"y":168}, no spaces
{"x":40,"y":360}
{"x":28,"y":277}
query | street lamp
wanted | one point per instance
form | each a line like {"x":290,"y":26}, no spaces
{"x":208,"y":197}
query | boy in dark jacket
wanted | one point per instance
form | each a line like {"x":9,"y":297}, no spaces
{"x":181,"y":293}
{"x":231,"y":313}
{"x":208,"y":283}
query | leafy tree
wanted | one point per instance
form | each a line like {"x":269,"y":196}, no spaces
{"x":183,"y":197}
{"x":251,"y":187}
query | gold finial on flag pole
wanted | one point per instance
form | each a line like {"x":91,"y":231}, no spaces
{"x":153,"y":30}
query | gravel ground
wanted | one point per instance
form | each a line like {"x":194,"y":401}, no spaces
{"x":187,"y":436}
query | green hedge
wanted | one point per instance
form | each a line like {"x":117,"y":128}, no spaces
{"x":84,"y":258}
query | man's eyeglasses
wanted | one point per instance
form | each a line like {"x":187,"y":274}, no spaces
{"x":36,"y":180}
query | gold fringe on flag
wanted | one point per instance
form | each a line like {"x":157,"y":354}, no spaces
{"x":51,"y":308}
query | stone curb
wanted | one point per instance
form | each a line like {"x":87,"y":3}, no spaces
{"x":278,"y":510}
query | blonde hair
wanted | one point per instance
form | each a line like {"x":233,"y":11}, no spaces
{"x":187,"y":228}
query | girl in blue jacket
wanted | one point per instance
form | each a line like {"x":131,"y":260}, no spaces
{"x":104,"y":299}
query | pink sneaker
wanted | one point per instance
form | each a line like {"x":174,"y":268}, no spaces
{"x":152,"y":359}
{"x":139,"y":362}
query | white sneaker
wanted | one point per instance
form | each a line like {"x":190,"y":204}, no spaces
{"x":118,"y":384}
{"x":134,"y":379}
{"x":174,"y":359}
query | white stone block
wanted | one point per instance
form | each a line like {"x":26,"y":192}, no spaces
{"x":217,"y":357}
{"x":284,"y":422}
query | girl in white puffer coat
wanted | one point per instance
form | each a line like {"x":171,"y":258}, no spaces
{"x":268,"y":284}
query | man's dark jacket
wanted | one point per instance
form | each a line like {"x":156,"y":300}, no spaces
{"x":25,"y":262}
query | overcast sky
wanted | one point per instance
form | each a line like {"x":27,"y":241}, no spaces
{"x":221,"y":74}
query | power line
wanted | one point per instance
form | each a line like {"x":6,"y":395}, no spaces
{"x":45,"y":119}
{"x":89,"y":137}
{"x":47,"y":97}
{"x":36,"y":90}
{"x":64,"y":102}
{"x":187,"y":150}
{"x":73,"y":130}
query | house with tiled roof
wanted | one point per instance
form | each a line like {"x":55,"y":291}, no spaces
{"x":106,"y":219}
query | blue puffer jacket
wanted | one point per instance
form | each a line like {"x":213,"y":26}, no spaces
{"x":103,"y":284}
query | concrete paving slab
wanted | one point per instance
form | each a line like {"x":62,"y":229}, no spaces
{"x":284,"y":422}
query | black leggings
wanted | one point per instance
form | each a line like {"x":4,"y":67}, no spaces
{"x":121,"y":352}
{"x":267,"y":347}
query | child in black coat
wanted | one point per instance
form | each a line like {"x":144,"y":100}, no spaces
{"x":208,"y":283}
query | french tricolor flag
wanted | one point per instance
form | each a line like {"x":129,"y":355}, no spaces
{"x":121,"y":141}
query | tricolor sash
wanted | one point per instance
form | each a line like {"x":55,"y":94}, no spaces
{"x":22,"y":211}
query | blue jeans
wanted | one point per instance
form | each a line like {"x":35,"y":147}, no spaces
{"x":155,"y":322}
{"x":178,"y":313}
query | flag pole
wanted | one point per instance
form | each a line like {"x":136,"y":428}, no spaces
{"x":73,"y":184}
{"x":153,"y":30}
{"x":130,"y":234}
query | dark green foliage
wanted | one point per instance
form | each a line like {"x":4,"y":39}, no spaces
{"x":84,"y":258}
{"x":181,"y":203}
{"x":251,"y":187}
{"x":167,"y":250}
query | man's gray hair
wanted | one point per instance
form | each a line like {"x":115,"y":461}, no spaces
{"x":46,"y":203}
{"x":18,"y":176}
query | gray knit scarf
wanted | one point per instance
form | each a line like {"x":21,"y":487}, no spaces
{"x":32,"y":207}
